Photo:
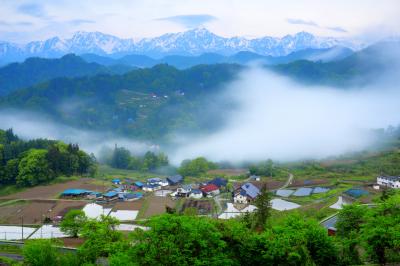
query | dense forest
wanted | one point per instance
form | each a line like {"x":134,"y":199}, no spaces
{"x":35,"y":70}
{"x":29,"y":163}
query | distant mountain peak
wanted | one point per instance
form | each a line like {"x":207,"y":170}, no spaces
{"x":195,"y":41}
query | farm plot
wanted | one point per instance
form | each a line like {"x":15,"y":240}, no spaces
{"x":203,"y":207}
{"x":156,"y":205}
{"x":52,"y":191}
{"x":32,"y":212}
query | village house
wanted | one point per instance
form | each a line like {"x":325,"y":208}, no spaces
{"x":151,"y":187}
{"x":138,"y":184}
{"x":210,"y":190}
{"x":389,"y":181}
{"x":196,"y":194}
{"x":116,"y":181}
{"x":158,"y":181}
{"x":183,"y":191}
{"x":219,"y":182}
{"x":132,"y":196}
{"x":246,"y":193}
{"x":175,"y":180}
{"x":110,"y":196}
{"x":254,"y":178}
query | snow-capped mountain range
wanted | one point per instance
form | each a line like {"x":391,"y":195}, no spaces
{"x":192,"y":42}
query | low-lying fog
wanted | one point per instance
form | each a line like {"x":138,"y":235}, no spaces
{"x":280,"y":119}
{"x":276,"y":118}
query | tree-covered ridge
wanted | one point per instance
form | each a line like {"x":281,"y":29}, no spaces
{"x":35,"y":70}
{"x":360,"y":68}
{"x":142,"y":103}
{"x":29,"y":163}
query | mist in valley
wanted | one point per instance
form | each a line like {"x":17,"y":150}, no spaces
{"x":283,"y":120}
{"x":274,"y":117}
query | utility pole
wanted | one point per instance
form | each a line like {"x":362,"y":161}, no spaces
{"x":22,"y":227}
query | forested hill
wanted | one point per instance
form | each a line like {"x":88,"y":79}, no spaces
{"x":145,"y":102}
{"x":151,"y":103}
{"x":360,"y":68}
{"x":29,"y":163}
{"x":35,"y":70}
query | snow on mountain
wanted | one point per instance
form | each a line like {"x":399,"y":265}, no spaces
{"x":191,"y":42}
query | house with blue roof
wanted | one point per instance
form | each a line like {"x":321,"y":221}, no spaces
{"x":219,"y":182}
{"x":76,"y":192}
{"x":196,"y":194}
{"x":132,"y":196}
{"x":175,"y":180}
{"x":246,"y":193}
{"x":116,"y":181}
{"x":110,"y":196}
{"x":138,"y":184}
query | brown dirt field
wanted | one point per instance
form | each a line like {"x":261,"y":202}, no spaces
{"x":203,"y":206}
{"x":63,"y":207}
{"x":72,"y":242}
{"x":31,"y":212}
{"x":52,"y":191}
{"x":135,"y":205}
{"x":228,"y":172}
{"x":157,"y":205}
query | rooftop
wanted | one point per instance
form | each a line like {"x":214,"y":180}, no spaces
{"x":209,"y":188}
{"x":390,"y":178}
{"x":251,"y":190}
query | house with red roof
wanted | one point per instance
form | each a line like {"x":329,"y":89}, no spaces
{"x":210,"y":190}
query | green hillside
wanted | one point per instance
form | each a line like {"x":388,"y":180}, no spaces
{"x":35,"y":70}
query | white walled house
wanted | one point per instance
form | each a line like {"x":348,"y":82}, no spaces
{"x":389,"y":181}
{"x":240,"y":197}
{"x":196,"y":194}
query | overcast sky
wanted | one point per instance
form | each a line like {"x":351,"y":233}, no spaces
{"x":25,"y":20}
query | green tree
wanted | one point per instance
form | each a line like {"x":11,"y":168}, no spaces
{"x":180,"y":240}
{"x":381,"y":231}
{"x":33,"y":168}
{"x":350,"y":219}
{"x":40,"y":252}
{"x":296,"y":241}
{"x":195,"y":167}
{"x":120,"y":158}
{"x":263,"y":204}
{"x":73,"y":222}
{"x":101,"y":239}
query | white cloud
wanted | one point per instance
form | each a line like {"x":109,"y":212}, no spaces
{"x":251,"y":18}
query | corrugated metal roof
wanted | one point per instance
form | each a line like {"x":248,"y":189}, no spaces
{"x":76,"y":191}
{"x":111,"y":194}
{"x":175,"y":179}
{"x":251,"y":190}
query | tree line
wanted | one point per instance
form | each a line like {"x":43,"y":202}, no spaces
{"x":29,"y":163}
{"x":122,"y":158}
